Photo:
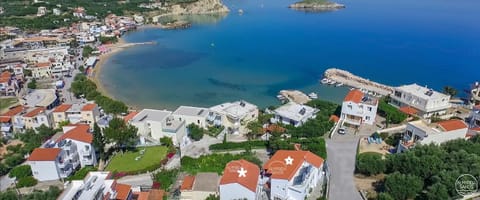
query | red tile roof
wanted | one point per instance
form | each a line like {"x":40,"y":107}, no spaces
{"x":334,"y":118}
{"x":89,"y":107}
{"x":354,"y":96}
{"x":155,"y":194}
{"x":123,"y":191}
{"x":34,"y":112}
{"x":79,"y":133}
{"x":475,"y":129}
{"x":5,"y":74}
{"x":130,"y":116}
{"x":408,"y":110}
{"x":44,"y":64}
{"x":274,"y":128}
{"x":187,"y":183}
{"x":5,"y":119}
{"x":453,"y":124}
{"x":231,"y":175}
{"x":62,"y":108}
{"x":279,"y":169}
{"x":13,"y":111}
{"x":142,"y":195}
{"x":44,"y":154}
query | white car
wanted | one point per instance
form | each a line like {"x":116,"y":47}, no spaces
{"x":342,"y":131}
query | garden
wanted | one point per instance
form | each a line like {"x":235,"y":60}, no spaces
{"x":138,"y":160}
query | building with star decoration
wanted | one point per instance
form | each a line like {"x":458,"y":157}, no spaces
{"x":292,"y":174}
{"x":240,"y":180}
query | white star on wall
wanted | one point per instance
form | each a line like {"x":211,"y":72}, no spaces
{"x":242,"y":172}
{"x":289,"y":160}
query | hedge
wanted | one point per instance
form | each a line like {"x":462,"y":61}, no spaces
{"x":80,"y":174}
{"x":237,"y":145}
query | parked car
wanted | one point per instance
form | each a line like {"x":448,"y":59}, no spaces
{"x":342,"y":131}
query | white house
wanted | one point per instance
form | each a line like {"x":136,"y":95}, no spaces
{"x":293,"y":174}
{"x":49,"y":164}
{"x":419,"y":132}
{"x":294,"y":114}
{"x":76,"y":113}
{"x":41,"y":11}
{"x":240,"y":180}
{"x":97,"y":185}
{"x":8,"y":120}
{"x":233,"y":116}
{"x":358,"y":108}
{"x":192,"y":115}
{"x":79,"y":140}
{"x":425,"y":101}
{"x":155,"y":124}
{"x":34,"y":118}
{"x":474,"y":118}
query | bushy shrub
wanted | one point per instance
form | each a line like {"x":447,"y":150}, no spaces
{"x":27,"y":181}
{"x":20,"y":171}
{"x":370,"y":163}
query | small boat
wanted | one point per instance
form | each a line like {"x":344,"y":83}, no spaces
{"x":313,"y":95}
{"x":280,"y":97}
{"x":339,"y":84}
{"x":332,"y":82}
{"x":240,"y":11}
{"x":324,"y":81}
{"x":352,"y":88}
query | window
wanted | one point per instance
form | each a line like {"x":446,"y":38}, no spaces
{"x":369,"y":108}
{"x":59,"y":116}
{"x":198,"y":121}
{"x":367,"y":118}
{"x":350,"y":107}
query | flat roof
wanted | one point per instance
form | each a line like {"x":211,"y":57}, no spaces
{"x":88,"y":187}
{"x":191,"y":111}
{"x":170,"y":124}
{"x":151,"y":115}
{"x":207,"y":182}
{"x":420,"y":124}
{"x":41,"y":97}
{"x":237,"y":109}
{"x":91,"y":61}
{"x":421,"y":91}
{"x":292,"y":110}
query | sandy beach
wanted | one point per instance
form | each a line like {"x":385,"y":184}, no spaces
{"x":114,"y":48}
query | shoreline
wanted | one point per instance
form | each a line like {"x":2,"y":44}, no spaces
{"x":102,"y":59}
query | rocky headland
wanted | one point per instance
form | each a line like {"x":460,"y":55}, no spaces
{"x":193,"y":8}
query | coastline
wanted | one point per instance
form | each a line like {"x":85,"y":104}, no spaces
{"x":114,"y":48}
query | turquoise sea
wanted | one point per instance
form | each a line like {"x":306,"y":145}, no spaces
{"x":270,"y":48}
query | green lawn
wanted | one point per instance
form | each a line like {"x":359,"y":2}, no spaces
{"x":126,"y":162}
{"x":7,"y":102}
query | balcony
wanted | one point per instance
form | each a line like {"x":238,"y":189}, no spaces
{"x":354,"y":121}
{"x":87,"y":152}
{"x":66,"y":170}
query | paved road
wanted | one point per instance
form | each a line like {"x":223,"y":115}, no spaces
{"x":5,"y":182}
{"x":341,"y":160}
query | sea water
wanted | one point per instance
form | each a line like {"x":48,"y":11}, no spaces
{"x":268,"y":48}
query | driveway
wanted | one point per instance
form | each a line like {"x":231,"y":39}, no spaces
{"x":341,"y":150}
{"x":137,"y":180}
